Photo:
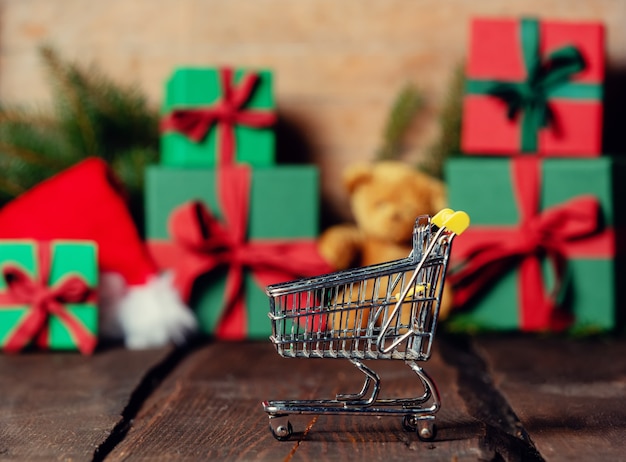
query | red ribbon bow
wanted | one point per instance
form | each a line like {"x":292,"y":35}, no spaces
{"x":45,"y":301}
{"x":205,"y":244}
{"x":551,"y":233}
{"x":196,"y":122}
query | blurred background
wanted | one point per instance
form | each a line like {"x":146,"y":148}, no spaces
{"x":338,"y":66}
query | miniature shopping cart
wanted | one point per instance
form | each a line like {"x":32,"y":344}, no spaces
{"x":383,"y":311}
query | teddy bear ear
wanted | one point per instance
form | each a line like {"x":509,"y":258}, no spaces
{"x":356,"y":175}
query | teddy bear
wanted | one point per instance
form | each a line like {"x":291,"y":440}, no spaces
{"x":385,"y":198}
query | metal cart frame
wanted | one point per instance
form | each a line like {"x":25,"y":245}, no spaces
{"x":384,"y":311}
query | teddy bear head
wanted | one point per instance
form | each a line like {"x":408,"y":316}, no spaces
{"x":387,"y":196}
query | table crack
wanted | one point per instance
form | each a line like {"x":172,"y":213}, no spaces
{"x":146,"y":386}
{"x":504,"y":435}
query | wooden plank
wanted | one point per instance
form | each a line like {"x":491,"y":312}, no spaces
{"x":504,"y":435}
{"x":62,"y":406}
{"x":568,"y":394}
{"x":210,"y":409}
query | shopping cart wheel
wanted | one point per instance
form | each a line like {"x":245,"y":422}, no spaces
{"x":426,"y":430}
{"x":281,"y":431}
{"x":409,"y":423}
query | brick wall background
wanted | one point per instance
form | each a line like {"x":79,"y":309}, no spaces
{"x":338,"y":63}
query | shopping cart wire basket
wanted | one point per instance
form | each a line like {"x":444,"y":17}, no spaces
{"x":383,"y":311}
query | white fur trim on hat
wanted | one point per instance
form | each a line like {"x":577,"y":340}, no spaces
{"x":144,"y":316}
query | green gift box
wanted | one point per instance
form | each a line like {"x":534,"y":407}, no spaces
{"x":541,"y":254}
{"x":218,"y":116}
{"x":227,"y":233}
{"x":47,"y":295}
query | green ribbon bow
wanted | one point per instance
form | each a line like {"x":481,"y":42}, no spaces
{"x":546,"y":79}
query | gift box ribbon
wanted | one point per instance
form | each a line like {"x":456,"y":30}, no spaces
{"x":195,"y":123}
{"x":566,"y":230}
{"x":550,"y":78}
{"x":201,"y":244}
{"x":45,"y":301}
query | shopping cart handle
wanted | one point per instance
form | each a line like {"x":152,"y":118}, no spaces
{"x":456,"y":222}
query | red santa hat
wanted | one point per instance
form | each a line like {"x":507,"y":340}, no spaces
{"x":86,"y":202}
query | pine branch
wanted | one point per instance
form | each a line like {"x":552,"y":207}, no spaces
{"x":29,"y":156}
{"x":29,"y":152}
{"x":91,"y":116}
{"x":405,"y":107}
{"x":449,"y":142}
{"x":13,"y":115}
{"x":69,"y":96}
{"x":9,"y":188}
{"x":113,"y":117}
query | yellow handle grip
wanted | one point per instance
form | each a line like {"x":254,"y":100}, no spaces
{"x":457,"y":222}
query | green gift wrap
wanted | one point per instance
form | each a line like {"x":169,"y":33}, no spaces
{"x":218,"y":116}
{"x":541,"y":254}
{"x":47,"y":295}
{"x":227,"y":233}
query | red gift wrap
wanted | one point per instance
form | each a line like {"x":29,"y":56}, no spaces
{"x":230,"y":111}
{"x":200,"y":244}
{"x":45,"y":300}
{"x":534,"y":87}
{"x":568,"y":230}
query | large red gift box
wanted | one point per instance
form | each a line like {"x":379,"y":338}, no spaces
{"x":534,"y":87}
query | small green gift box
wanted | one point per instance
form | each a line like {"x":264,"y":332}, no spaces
{"x":218,"y":117}
{"x":47,"y":295}
{"x":541,"y":254}
{"x":227,"y":233}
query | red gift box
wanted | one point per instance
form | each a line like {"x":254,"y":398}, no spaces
{"x":534,"y":87}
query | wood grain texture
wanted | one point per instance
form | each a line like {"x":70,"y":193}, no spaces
{"x":569,"y":395}
{"x":62,"y":406}
{"x":513,"y":398}
{"x":209,"y":409}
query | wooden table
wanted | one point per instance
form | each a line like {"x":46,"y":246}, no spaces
{"x":503,"y":398}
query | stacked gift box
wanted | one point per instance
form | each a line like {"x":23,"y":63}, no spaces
{"x":541,"y":254}
{"x":221,"y":216}
{"x":48,"y":295}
